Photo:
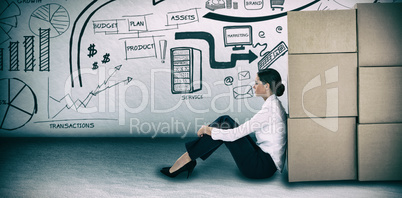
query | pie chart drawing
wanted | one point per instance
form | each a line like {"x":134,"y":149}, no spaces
{"x":50,"y":16}
{"x":18,"y":104}
{"x":8,"y":19}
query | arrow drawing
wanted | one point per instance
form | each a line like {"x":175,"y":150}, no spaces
{"x":128,"y":80}
{"x":250,"y":56}
{"x":83,"y":103}
{"x":154,"y":2}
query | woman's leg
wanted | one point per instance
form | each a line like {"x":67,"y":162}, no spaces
{"x":183,"y":160}
{"x":203,"y":147}
{"x":250,"y":159}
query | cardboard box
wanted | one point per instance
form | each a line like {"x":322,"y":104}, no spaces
{"x":322,"y":31}
{"x":322,"y":85}
{"x":379,"y":34}
{"x":380,"y":94}
{"x":379,"y":152}
{"x":316,"y":153}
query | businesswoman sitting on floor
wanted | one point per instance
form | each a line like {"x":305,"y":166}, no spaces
{"x":255,"y":160}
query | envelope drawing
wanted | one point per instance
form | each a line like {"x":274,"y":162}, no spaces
{"x":242,"y":92}
{"x":244,"y":75}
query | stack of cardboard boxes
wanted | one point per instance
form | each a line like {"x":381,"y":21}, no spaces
{"x":379,"y":131}
{"x":322,"y":95}
{"x":330,"y":52}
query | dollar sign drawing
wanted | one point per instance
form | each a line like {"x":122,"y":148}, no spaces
{"x":92,"y":50}
{"x":95,"y":66}
{"x":106,"y":58}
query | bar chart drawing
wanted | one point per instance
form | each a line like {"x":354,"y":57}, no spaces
{"x":29,"y":53}
{"x":44,"y":49}
{"x":14,"y":61}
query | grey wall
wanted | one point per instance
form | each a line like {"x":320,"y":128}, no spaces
{"x":137,"y":68}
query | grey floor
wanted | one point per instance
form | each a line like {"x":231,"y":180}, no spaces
{"x":129,"y":167}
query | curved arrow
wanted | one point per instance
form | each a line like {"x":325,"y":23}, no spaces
{"x":220,"y":17}
{"x":211,"y":42}
{"x":76,"y":44}
{"x":154,"y":2}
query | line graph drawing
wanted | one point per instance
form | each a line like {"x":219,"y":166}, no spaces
{"x":78,"y":103}
{"x":18,"y":105}
{"x":8,"y":19}
{"x":50,"y":16}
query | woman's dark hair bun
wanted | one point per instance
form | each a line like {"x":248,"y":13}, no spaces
{"x":273,"y":78}
{"x":280,"y":90}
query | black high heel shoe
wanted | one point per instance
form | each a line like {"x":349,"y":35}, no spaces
{"x":189,"y":167}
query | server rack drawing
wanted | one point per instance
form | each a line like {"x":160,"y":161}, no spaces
{"x":186,"y":70}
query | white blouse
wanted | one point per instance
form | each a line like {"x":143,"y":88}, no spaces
{"x":269,"y":125}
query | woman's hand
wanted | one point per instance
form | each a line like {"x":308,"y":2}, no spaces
{"x":204,"y":130}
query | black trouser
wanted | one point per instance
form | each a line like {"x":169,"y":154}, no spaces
{"x":250,"y":159}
